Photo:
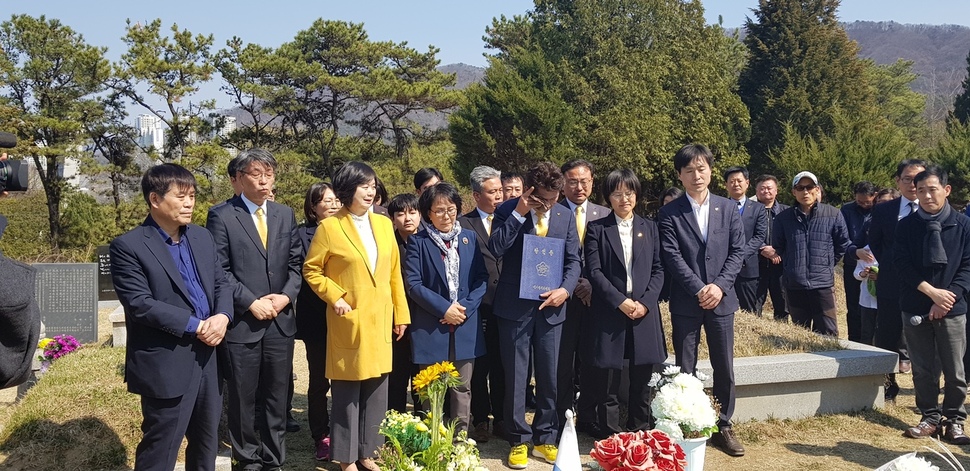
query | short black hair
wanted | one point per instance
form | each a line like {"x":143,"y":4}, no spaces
{"x":864,"y":188}
{"x":348,"y":177}
{"x":254,"y":155}
{"x":423,"y":175}
{"x":403,"y":202}
{"x":232,"y":168}
{"x":544,"y":175}
{"x":690,"y":153}
{"x":908,"y":162}
{"x":617,"y":178}
{"x":931,"y":171}
{"x":737,"y":169}
{"x":381,"y":191}
{"x":764,"y":178}
{"x":509,"y":176}
{"x":576,"y":163}
{"x":314,"y":196}
{"x":673,"y":192}
{"x":434,"y":192}
{"x":161,"y":178}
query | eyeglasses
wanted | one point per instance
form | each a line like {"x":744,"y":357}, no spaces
{"x":259,"y":176}
{"x":578,"y":183}
{"x":330,"y":202}
{"x":451,"y":212}
{"x":616,"y":195}
{"x":804,"y":187}
{"x":906,"y":180}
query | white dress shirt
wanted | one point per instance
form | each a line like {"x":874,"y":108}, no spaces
{"x":535,"y":217}
{"x":366,"y":233}
{"x":625,"y":227}
{"x":251,"y":207}
{"x":702,"y":211}
{"x":904,"y":207}
{"x":485,"y":221}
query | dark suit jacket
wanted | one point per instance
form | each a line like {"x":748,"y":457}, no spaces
{"x":161,"y":357}
{"x":378,"y":209}
{"x":311,"y":311}
{"x":882,"y":234}
{"x":755,"y":223}
{"x":693,"y":263}
{"x":493,"y":264}
{"x":424,"y":269}
{"x":857,"y":224}
{"x":605,"y":327}
{"x":593,"y":212}
{"x":258,"y":271}
{"x":506,"y":243}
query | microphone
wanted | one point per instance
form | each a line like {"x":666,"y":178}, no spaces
{"x":917,"y":320}
{"x":7,"y":140}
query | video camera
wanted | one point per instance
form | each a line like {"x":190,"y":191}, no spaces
{"x":13,"y":173}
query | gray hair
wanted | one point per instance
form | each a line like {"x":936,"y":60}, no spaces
{"x":480,"y":174}
{"x":248,"y":157}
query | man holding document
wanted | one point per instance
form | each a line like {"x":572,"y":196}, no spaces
{"x":539,"y":247}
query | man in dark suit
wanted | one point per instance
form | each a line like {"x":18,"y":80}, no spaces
{"x":526,"y":326}
{"x":882,"y":233}
{"x":260,"y":249}
{"x":856,"y":215}
{"x":770,"y":264}
{"x":488,"y":377}
{"x":178,"y":303}
{"x":703,"y":250}
{"x":755,"y":223}
{"x":579,"y":187}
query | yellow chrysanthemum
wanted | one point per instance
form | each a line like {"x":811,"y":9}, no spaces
{"x":43,"y":343}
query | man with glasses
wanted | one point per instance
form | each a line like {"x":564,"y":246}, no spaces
{"x":579,"y":186}
{"x":259,"y":247}
{"x":527,"y":327}
{"x":882,"y":234}
{"x":811,"y":237}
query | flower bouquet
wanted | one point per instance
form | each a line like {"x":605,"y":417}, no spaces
{"x":681,"y":406}
{"x":54,"y":348}
{"x":651,"y":450}
{"x":911,"y":462}
{"x":415,"y":444}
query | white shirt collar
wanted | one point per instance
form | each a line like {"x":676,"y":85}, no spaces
{"x":252,"y":206}
{"x":481,"y":214}
{"x":572,"y":206}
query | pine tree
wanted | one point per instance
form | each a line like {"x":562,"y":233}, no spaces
{"x":802,"y":66}
{"x":961,"y":105}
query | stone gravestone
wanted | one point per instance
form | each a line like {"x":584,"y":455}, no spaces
{"x":106,"y":289}
{"x":67,"y":294}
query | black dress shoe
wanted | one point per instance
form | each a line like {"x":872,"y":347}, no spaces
{"x":953,"y":433}
{"x":292,"y":425}
{"x":924,"y":429}
{"x":727,"y":442}
{"x":498,"y":429}
{"x":892,"y":389}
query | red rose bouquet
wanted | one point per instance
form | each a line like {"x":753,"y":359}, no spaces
{"x":652,"y":450}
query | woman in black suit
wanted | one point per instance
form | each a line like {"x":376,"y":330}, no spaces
{"x":623,"y":263}
{"x":311,"y":321}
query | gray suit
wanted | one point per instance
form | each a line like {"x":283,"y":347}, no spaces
{"x":258,"y":354}
{"x":693,"y":263}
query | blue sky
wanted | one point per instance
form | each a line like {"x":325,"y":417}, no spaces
{"x":455,"y":27}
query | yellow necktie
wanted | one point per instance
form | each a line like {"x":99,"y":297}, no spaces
{"x":488,"y":230}
{"x":542,"y":228}
{"x":261,"y":225}
{"x":581,"y":223}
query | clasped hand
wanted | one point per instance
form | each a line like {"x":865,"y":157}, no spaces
{"x":455,"y":315}
{"x":269,"y":306}
{"x":633,"y":309}
{"x":211,"y":331}
{"x":709,"y":296}
{"x":554,"y":298}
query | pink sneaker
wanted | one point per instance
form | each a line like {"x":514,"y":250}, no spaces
{"x":323,"y":449}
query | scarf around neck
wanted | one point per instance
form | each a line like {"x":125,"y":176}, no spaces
{"x":451,"y":255}
{"x":933,"y":251}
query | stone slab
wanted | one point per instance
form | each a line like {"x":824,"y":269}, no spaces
{"x":119,"y":334}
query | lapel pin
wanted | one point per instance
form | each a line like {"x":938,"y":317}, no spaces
{"x":464,"y":240}
{"x":639,"y":234}
{"x":717,"y":209}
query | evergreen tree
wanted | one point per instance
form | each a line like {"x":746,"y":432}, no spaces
{"x":802,"y":65}
{"x":623,"y":83}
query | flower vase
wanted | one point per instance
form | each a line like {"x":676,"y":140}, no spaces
{"x":694,"y":450}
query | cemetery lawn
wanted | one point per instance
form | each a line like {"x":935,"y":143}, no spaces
{"x":80,"y":417}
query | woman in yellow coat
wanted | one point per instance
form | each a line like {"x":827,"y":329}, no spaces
{"x":354,"y":266}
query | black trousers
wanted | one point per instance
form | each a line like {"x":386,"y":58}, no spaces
{"x":747,"y":291}
{"x":258,"y":378}
{"x":814,"y":309}
{"x":719,"y":330}
{"x":195,"y":416}
{"x":316,"y":395}
{"x":853,"y":315}
{"x":567,"y":376}
{"x":488,"y":377}
{"x":399,"y":380}
{"x":603,"y":386}
{"x":770,"y":283}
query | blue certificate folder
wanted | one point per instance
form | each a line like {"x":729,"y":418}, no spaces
{"x":542,"y":259}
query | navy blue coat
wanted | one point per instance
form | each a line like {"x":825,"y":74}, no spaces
{"x":604,"y":326}
{"x":506,"y":243}
{"x":810,"y":246}
{"x":694,"y":263}
{"x":427,"y":287}
{"x":161,"y":357}
{"x":908,"y":260}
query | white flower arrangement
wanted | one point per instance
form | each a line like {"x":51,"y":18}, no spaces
{"x":911,"y":462}
{"x":681,"y":407}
